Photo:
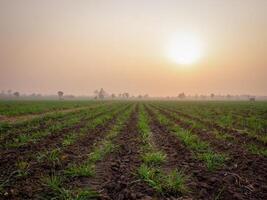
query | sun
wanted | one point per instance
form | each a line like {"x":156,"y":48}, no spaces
{"x":185,"y":49}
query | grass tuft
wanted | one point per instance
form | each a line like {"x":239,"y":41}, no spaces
{"x":154,"y":158}
{"x":81,"y":170}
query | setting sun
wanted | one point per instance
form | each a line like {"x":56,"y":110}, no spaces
{"x":185,"y":49}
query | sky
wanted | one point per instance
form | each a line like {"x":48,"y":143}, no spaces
{"x":78,"y":46}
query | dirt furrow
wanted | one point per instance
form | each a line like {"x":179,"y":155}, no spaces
{"x":76,"y":153}
{"x":10,"y":157}
{"x":21,"y":118}
{"x":240,"y":137}
{"x":116,"y":175}
{"x":223,"y":183}
{"x":238,"y":155}
{"x":12,"y":131}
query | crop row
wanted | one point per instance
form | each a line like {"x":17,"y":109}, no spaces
{"x":49,"y":154}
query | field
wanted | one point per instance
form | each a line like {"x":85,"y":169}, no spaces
{"x":133,"y":150}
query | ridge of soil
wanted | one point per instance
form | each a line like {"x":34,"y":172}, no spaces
{"x":21,"y":118}
{"x":213,"y":125}
{"x":247,"y":170}
{"x":76,"y":153}
{"x":116,"y":176}
{"x":9,"y":137}
{"x":9,"y":157}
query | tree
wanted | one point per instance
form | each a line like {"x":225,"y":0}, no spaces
{"x":181,"y":95}
{"x":101,"y":93}
{"x":126,"y":95}
{"x":60,"y":94}
{"x":16,"y":94}
{"x":212,"y":95}
{"x":113,"y":96}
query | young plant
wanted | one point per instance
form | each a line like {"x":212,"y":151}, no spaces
{"x":23,"y":168}
{"x":80,"y":171}
{"x":85,"y":194}
{"x":154,"y":158}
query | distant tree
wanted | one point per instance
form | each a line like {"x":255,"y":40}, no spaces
{"x":96,"y":92}
{"x":16,"y":94}
{"x":212,"y":95}
{"x":126,"y":95}
{"x":113,"y":96}
{"x":140,"y":96}
{"x":60,"y":94}
{"x":101,"y":94}
{"x":181,"y":95}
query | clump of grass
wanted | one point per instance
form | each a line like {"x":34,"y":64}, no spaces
{"x":80,"y":170}
{"x":50,"y":156}
{"x":23,"y":168}
{"x":190,"y":140}
{"x":212,"y":160}
{"x":150,"y":175}
{"x":86,"y":193}
{"x":174,"y":182}
{"x":154,"y":158}
{"x":257,"y":150}
{"x":101,"y":151}
{"x":223,"y":136}
{"x":22,"y":139}
{"x":54,"y":183}
{"x":69,"y":139}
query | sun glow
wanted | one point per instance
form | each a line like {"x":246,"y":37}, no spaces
{"x":184,"y":49}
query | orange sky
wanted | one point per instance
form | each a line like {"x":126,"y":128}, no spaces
{"x":79,"y":46}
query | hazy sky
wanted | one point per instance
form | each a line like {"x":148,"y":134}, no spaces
{"x":80,"y":45}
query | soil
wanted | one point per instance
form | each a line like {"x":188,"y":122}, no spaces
{"x":213,"y":125}
{"x":19,"y":188}
{"x":242,"y":177}
{"x":21,"y":118}
{"x":116,"y":176}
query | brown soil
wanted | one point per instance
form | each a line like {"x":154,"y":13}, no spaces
{"x":21,"y":118}
{"x":28,"y":152}
{"x":27,"y":189}
{"x":116,"y":176}
{"x":241,"y":137}
{"x":15,"y":129}
{"x":245,"y":174}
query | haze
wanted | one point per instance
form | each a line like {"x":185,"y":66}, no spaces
{"x":79,"y":46}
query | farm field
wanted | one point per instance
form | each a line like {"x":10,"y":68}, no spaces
{"x":133,"y":150}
